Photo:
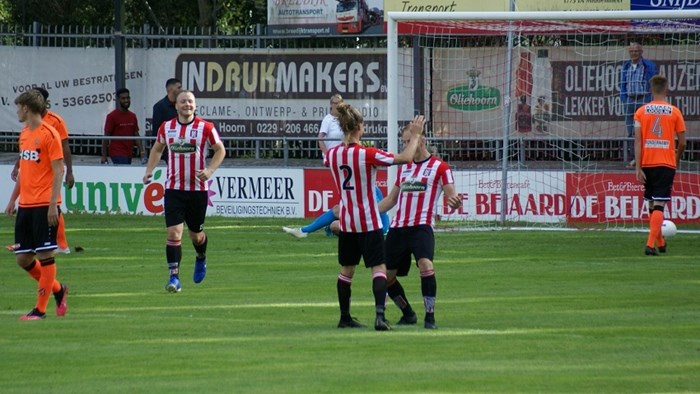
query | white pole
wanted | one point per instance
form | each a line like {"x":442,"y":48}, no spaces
{"x":392,"y":117}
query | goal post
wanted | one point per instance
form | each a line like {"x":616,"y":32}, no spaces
{"x":527,"y":108}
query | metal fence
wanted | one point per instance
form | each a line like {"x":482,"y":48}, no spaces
{"x":546,"y":152}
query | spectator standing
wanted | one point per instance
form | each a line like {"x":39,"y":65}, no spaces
{"x":165,"y":109}
{"x":122,"y":123}
{"x":634,"y":91}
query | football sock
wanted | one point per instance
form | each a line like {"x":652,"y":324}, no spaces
{"x":48,"y":277}
{"x":660,"y":241}
{"x":34,"y":270}
{"x":61,"y":239}
{"x":201,"y":248}
{"x":322,"y":221}
{"x":428,"y":286}
{"x":655,"y":221}
{"x":344,"y":293}
{"x":173,"y":253}
{"x":379,"y":289}
{"x":397,"y":294}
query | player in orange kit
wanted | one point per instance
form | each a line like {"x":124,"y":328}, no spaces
{"x":656,"y":127}
{"x":38,"y":188}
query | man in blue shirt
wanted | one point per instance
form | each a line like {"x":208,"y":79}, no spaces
{"x":634,"y":90}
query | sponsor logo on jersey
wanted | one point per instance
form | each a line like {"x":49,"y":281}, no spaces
{"x":413,"y":185}
{"x":182,"y":146}
{"x":32,"y":155}
{"x":658,"y":109}
{"x":656,"y":144}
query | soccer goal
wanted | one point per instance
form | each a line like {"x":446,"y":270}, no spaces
{"x":527,"y":108}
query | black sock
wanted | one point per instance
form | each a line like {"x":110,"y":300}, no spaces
{"x":429,"y":289}
{"x":201,"y":249}
{"x":397,"y":294}
{"x":344,"y":293}
{"x":58,"y":296}
{"x":173,"y":253}
{"x":379,"y":290}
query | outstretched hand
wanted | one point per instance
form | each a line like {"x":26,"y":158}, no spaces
{"x":417,"y":125}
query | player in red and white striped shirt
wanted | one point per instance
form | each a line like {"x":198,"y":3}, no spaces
{"x":188,"y":138}
{"x":354,"y":168}
{"x":417,"y":190}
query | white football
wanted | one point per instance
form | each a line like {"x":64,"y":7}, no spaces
{"x":668,"y":228}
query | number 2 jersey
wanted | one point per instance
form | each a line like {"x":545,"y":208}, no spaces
{"x":188,"y":145}
{"x":420,"y":185}
{"x":354,"y":168}
{"x":659,"y":121}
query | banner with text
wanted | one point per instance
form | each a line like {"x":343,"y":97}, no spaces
{"x":245,"y":93}
{"x":532,"y":196}
{"x":80,"y":82}
{"x":608,"y":197}
{"x":282,"y":93}
{"x":234,"y":192}
{"x":324,"y":17}
{"x":558,"y":92}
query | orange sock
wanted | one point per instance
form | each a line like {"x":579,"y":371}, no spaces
{"x":655,"y":221}
{"x":48,"y":277}
{"x":660,"y":241}
{"x":61,"y":239}
{"x":35,"y":272}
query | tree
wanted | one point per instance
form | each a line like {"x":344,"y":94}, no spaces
{"x":224,"y":14}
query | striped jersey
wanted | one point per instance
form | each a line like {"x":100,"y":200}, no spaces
{"x":188,"y":145}
{"x":659,"y":121}
{"x":420,"y":186}
{"x":354,"y":169}
{"x":37,"y":149}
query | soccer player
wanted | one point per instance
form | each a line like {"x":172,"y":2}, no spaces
{"x":54,"y":120}
{"x":354,"y":168}
{"x":417,"y":190}
{"x":38,"y":188}
{"x":330,"y":135}
{"x":122,"y":123}
{"x":188,"y":139}
{"x":656,"y":127}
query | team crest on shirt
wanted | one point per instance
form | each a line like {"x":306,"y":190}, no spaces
{"x":182,"y":146}
{"x":427,"y":171}
{"x":413,"y":186}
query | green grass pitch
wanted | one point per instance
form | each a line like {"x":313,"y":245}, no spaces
{"x":518,"y":311}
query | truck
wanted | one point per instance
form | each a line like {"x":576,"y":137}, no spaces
{"x":352,"y":16}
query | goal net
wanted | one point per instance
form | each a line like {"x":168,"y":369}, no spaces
{"x":529,"y":110}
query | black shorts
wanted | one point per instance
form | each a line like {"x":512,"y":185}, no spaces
{"x":659,"y":183}
{"x":189,"y":207}
{"x":404,"y":241}
{"x":369,"y":246}
{"x":33,"y":232}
